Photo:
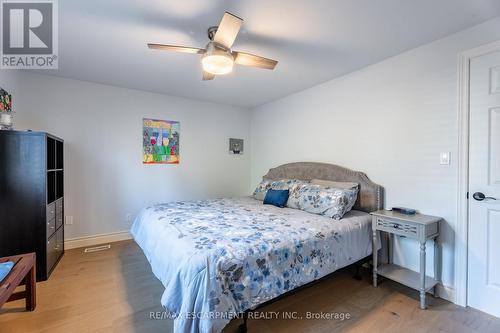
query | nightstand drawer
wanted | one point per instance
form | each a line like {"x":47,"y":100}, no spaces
{"x":397,"y":227}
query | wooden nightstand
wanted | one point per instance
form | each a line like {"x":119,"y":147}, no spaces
{"x":419,"y":227}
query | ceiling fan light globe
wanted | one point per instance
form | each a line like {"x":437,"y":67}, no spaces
{"x":218,"y":64}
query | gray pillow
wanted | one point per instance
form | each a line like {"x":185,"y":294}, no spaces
{"x":334,"y":184}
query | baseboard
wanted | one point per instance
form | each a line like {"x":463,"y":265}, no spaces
{"x":86,"y":241}
{"x":446,"y":292}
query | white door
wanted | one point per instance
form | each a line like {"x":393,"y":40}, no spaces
{"x":483,"y":290}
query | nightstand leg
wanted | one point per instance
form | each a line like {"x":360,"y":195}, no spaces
{"x":422,"y":275}
{"x":437,"y":265}
{"x":375,"y":257}
{"x":390,"y":242}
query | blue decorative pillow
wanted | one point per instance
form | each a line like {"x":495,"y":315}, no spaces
{"x":277,"y":198}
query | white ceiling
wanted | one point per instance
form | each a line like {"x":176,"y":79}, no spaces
{"x":105,"y":41}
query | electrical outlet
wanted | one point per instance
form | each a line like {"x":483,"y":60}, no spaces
{"x":69,"y":220}
{"x":128,"y":218}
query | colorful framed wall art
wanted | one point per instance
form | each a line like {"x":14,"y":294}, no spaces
{"x":160,"y":140}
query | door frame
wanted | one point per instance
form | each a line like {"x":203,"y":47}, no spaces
{"x":462,"y":232}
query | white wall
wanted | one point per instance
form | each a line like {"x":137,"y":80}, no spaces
{"x":102,"y":127}
{"x":390,"y":120}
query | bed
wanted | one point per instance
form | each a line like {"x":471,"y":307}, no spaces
{"x":219,"y":258}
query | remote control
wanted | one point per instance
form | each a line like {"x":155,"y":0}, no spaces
{"x":404,"y":210}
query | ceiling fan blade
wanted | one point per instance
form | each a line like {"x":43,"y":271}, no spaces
{"x":175,"y":48}
{"x":208,"y":76}
{"x":247,"y":59}
{"x":228,"y":29}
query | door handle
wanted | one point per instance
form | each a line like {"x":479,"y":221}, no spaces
{"x":479,"y":196}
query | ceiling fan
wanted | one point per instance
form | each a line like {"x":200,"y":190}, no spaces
{"x":217,"y":58}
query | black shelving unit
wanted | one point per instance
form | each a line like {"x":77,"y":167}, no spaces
{"x":32,"y":197}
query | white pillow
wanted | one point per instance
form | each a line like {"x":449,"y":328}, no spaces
{"x":261,"y":190}
{"x":328,"y":201}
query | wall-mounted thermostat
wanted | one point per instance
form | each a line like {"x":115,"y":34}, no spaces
{"x":236,"y":146}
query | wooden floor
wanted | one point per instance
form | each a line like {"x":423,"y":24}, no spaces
{"x":115,"y":291}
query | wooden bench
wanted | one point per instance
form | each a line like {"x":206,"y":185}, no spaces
{"x":23,"y":272}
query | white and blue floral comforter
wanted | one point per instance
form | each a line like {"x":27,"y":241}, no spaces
{"x":217,"y":258}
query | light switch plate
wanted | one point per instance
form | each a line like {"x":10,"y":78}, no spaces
{"x":444,"y":158}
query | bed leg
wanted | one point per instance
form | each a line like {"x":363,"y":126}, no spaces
{"x":357,"y":274}
{"x":243,"y":327}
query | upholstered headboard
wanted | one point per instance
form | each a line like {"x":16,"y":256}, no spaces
{"x":370,"y":197}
